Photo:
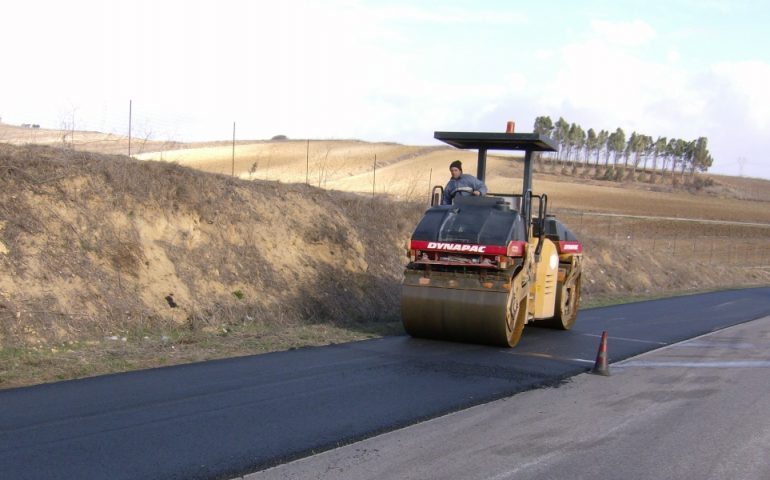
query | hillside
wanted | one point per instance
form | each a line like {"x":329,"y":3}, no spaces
{"x":406,"y":172}
{"x":109,"y":263}
{"x":89,"y":141}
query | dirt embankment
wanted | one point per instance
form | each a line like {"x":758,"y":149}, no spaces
{"x":97,"y":246}
{"x":94,"y":245}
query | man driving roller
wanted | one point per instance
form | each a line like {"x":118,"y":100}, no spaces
{"x":462,"y":184}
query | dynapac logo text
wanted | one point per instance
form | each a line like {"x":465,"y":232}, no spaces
{"x":456,"y":247}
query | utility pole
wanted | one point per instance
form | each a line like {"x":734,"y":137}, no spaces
{"x":741,"y":164}
{"x":233,"y":168}
{"x":129,"y":127}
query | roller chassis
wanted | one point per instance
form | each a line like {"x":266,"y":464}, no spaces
{"x":483,"y":268}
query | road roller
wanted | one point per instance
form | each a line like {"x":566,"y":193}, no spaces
{"x":483,"y":267}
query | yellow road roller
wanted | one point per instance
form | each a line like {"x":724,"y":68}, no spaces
{"x":482,"y":267}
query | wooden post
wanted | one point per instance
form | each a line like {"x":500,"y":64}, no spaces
{"x":307,"y":163}
{"x":129,"y":126}
{"x":232,"y":173}
{"x":374,"y":174}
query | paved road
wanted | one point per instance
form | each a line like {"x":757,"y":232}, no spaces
{"x":697,"y":409}
{"x":226,"y":418}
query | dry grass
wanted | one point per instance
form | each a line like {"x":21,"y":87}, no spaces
{"x":109,"y":143}
{"x":410,"y":171}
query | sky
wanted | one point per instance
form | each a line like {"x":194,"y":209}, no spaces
{"x":393,"y":70}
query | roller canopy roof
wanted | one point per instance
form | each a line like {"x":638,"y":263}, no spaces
{"x":534,"y":142}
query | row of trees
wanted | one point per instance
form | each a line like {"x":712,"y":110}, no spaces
{"x":614,"y":156}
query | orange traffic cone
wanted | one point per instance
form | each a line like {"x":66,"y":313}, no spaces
{"x":601,"y":367}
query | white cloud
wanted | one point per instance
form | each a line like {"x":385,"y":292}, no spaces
{"x":719,"y":6}
{"x":673,"y":56}
{"x":449,"y":15}
{"x":348,"y":68}
{"x":544,"y":54}
{"x":613,"y":84}
{"x":630,"y":34}
{"x":749,"y":82}
{"x":604,"y":76}
{"x":605,"y":82}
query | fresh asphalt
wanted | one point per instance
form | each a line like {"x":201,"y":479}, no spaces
{"x":698,"y":409}
{"x":225,"y":418}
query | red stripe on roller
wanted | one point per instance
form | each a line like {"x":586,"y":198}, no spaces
{"x":458,"y":247}
{"x":570,"y":247}
{"x":516,"y":249}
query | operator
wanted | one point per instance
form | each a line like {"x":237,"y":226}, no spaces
{"x":462,"y":184}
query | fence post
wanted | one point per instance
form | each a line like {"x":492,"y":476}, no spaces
{"x":130,"y":102}
{"x":374,"y":174}
{"x":694,"y":243}
{"x":232,"y":172}
{"x":745,"y":258}
{"x":673,"y":250}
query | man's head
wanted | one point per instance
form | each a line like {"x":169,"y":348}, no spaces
{"x":456,"y":168}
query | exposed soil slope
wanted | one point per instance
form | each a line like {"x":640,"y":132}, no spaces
{"x":94,"y":244}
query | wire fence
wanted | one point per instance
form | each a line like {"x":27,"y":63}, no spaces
{"x":109,"y":130}
{"x":727,"y":243}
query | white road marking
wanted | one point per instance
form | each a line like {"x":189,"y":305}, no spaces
{"x":524,"y":466}
{"x":624,"y":339}
{"x":551,"y":357}
{"x":702,"y":344}
{"x":725,"y":364}
{"x":726,"y":304}
{"x":581,"y":360}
